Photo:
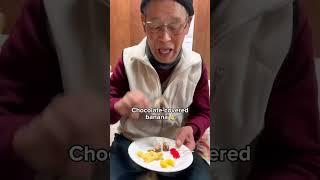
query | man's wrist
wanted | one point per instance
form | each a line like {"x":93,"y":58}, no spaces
{"x":195,"y":131}
{"x":115,"y":115}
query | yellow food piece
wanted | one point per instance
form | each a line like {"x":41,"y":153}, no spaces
{"x":150,"y":156}
{"x":166,"y":163}
{"x":140,"y":154}
{"x":163,"y":164}
{"x":170,"y":162}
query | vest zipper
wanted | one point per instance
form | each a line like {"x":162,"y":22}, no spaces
{"x":160,"y":88}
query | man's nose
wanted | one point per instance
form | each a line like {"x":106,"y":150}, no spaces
{"x":165,"y":35}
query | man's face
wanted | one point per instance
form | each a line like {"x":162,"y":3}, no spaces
{"x":166,"y":23}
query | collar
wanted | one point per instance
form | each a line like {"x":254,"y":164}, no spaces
{"x":158,"y":65}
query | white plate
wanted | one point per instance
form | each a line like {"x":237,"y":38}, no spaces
{"x":145,"y":144}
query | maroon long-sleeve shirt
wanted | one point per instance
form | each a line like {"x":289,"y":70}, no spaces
{"x":29,"y":77}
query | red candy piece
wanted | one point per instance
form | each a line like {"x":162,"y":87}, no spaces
{"x":174,"y":153}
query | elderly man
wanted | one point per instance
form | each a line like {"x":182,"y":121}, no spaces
{"x":159,"y":68}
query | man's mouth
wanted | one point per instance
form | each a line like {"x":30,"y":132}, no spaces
{"x":165,"y":51}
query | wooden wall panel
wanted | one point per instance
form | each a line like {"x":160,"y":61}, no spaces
{"x":311,"y":8}
{"x":201,"y":35}
{"x":119,"y":27}
{"x":10,"y":10}
{"x":137,"y":32}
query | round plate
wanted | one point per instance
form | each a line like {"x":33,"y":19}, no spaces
{"x":145,"y":144}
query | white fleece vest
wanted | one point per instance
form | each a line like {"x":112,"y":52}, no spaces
{"x":178,"y":94}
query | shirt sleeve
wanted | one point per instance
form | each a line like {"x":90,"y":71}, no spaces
{"x":119,"y":86}
{"x":199,"y":117}
{"x":29,"y":78}
{"x":290,"y":143}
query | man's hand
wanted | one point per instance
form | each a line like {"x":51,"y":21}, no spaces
{"x":68,"y":120}
{"x":185,"y":136}
{"x":132,"y":99}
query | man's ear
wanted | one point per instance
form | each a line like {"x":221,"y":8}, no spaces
{"x":143,"y":20}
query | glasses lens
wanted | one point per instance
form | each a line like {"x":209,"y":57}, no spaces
{"x":173,"y":28}
{"x":154,"y":27}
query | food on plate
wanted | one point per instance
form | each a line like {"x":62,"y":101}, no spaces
{"x":150,"y":156}
{"x":170,"y":162}
{"x":163,"y":164}
{"x":157,"y":148}
{"x":166,"y":163}
{"x":174,"y":153}
{"x":160,"y":145}
{"x":165,"y":147}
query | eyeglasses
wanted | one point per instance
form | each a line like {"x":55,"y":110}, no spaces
{"x":172,"y":28}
